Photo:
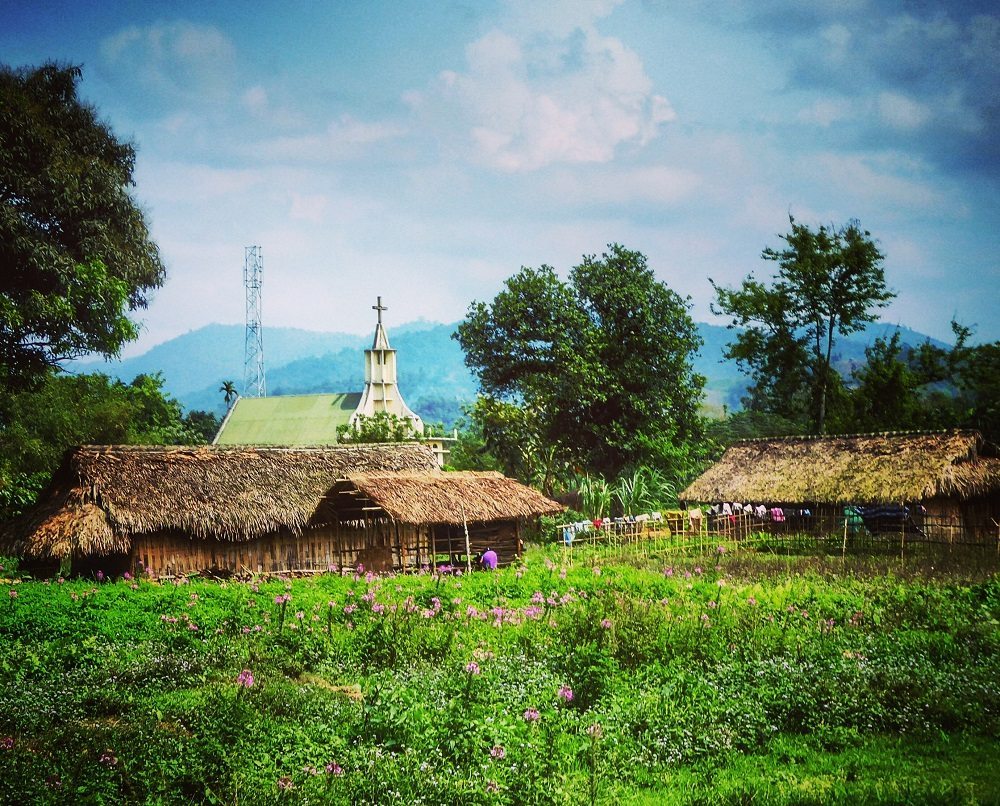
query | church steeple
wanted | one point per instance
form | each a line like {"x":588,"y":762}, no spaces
{"x":381,"y":392}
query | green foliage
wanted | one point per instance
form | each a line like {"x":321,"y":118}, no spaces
{"x":586,"y":373}
{"x":689,"y":684}
{"x":749,"y":425}
{"x":829,"y":283}
{"x":62,"y":411}
{"x":928,"y":387}
{"x":75,"y":253}
{"x":381,"y":426}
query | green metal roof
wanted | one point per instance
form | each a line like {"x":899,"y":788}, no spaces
{"x":287,"y":419}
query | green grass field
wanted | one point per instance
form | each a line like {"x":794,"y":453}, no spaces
{"x":736,"y":676}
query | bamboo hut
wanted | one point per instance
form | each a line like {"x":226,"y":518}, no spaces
{"x":424,"y":516}
{"x":952,"y":479}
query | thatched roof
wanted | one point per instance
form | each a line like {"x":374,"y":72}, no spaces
{"x":104,"y":495}
{"x":425,"y":498}
{"x":860,"y":468}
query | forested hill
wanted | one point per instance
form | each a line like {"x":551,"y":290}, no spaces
{"x":432,"y":372}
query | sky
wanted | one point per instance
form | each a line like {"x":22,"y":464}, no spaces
{"x":425,"y":150}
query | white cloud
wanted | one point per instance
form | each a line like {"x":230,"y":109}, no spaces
{"x":876,"y":180}
{"x":556,"y":92}
{"x":343,"y":137}
{"x":178,"y":61}
{"x":826,"y":111}
{"x":901,"y":112}
{"x":308,"y":207}
{"x":255,"y":99}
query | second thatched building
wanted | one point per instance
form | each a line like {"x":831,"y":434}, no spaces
{"x":948,"y":482}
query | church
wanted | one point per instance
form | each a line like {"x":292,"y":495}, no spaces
{"x":314,"y":420}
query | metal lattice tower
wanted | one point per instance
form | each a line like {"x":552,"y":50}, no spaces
{"x":254,"y":384}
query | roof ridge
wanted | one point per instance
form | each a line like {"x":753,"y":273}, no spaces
{"x":857,"y":435}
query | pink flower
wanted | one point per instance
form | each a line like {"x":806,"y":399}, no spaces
{"x":108,"y":758}
{"x":245,"y":679}
{"x":127,"y":576}
{"x":532,"y":715}
{"x":13,"y":593}
{"x":597,"y":571}
{"x":333,"y":768}
{"x":300,"y":615}
{"x":7,"y":743}
{"x":285,"y":783}
{"x":606,"y":624}
{"x":192,"y":626}
{"x":721,"y":549}
{"x":472,"y":668}
{"x":751,"y":601}
{"x":668,"y":572}
{"x":497,"y":752}
{"x":492,"y":787}
{"x":565,"y":693}
{"x":100,"y":576}
{"x":595,"y":730}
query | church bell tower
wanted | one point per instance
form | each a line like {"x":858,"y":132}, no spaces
{"x":381,"y":391}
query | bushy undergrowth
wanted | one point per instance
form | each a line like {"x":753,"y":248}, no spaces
{"x":540,"y":684}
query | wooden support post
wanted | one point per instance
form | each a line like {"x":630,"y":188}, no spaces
{"x":468,"y":548}
{"x":902,"y":532}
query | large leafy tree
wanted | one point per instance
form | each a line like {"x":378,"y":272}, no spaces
{"x":63,"y":410}
{"x":75,"y":253}
{"x":594,"y":373}
{"x":829,"y":282}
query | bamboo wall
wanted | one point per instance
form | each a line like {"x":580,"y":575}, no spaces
{"x":378,"y":545}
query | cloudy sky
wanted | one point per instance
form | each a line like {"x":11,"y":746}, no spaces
{"x":424,"y":150}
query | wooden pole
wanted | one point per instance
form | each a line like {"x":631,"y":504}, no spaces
{"x":468,"y":548}
{"x":902,"y":532}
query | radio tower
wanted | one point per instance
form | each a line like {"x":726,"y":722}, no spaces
{"x":254,"y":384}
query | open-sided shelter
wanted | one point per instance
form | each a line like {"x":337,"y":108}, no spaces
{"x":954,"y":476}
{"x":429,"y":514}
{"x":175,"y":510}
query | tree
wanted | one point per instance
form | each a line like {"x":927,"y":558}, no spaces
{"x":230,"y":394}
{"x":829,"y":282}
{"x":887,"y":396}
{"x":599,"y":367}
{"x":75,"y":253}
{"x":62,"y":410}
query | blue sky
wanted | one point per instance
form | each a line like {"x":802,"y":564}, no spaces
{"x":424,"y":151}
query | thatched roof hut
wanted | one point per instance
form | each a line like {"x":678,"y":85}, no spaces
{"x":104,"y":496}
{"x":888,"y":468}
{"x":419,"y":498}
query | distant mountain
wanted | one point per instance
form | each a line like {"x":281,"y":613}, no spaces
{"x":432,"y":373}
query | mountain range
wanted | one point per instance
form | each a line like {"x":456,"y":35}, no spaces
{"x":432,"y":373}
